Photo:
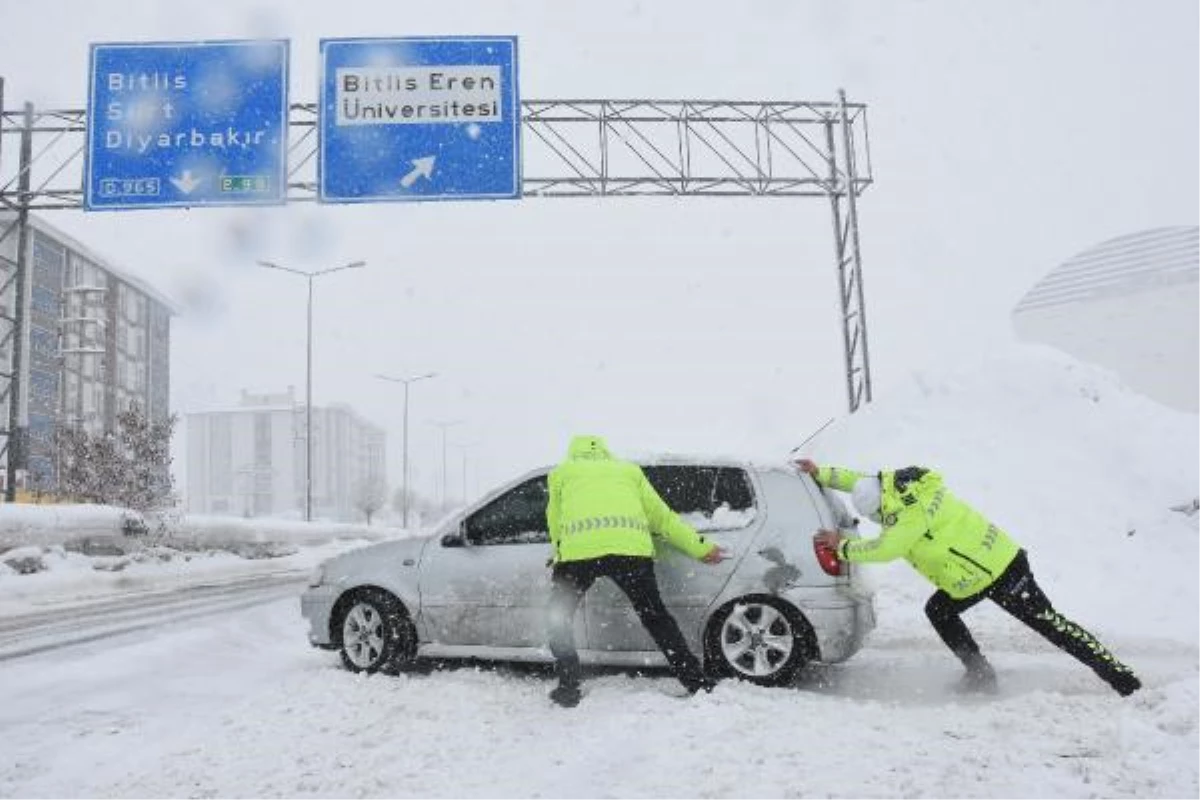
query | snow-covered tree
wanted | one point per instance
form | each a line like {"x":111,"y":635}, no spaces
{"x":420,"y":507}
{"x":369,"y":497}
{"x":129,"y":467}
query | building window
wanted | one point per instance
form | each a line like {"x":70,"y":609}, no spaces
{"x":220,"y":465}
{"x":262,"y":439}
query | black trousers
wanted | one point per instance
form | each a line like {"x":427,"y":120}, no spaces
{"x":635,"y":577}
{"x":1018,"y":593}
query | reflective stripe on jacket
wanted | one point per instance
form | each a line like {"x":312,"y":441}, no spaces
{"x":945,"y":539}
{"x":602,"y":506}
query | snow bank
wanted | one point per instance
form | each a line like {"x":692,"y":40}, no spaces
{"x":80,"y":552}
{"x":1076,"y":466}
{"x":222,"y":532}
{"x":101,"y":530}
{"x":26,"y":525}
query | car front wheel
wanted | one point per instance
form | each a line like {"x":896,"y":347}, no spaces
{"x":376,"y":633}
{"x":760,"y":639}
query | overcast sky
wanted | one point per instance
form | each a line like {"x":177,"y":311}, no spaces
{"x":1006,"y":137}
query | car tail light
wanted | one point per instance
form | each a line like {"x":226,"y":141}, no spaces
{"x":828,"y":559}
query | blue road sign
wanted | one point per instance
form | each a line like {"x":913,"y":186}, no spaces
{"x":419,"y":119}
{"x":187,"y":124}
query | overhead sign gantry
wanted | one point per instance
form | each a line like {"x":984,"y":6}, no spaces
{"x":420,"y":119}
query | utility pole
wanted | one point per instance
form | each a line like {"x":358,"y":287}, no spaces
{"x":404,"y":476}
{"x":463,"y":447}
{"x":308,"y":429}
{"x":444,"y":425}
{"x":18,"y":421}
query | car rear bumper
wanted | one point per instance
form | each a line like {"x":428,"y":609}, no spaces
{"x":316,"y":606}
{"x":840,"y":622}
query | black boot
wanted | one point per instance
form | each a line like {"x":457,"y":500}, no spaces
{"x":566,"y":694}
{"x":980,"y":678}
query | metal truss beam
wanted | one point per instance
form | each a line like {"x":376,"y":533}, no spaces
{"x":570,"y":148}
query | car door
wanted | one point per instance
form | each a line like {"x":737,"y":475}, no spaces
{"x":716,"y":500}
{"x":487,"y":582}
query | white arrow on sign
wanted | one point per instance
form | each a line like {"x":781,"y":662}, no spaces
{"x":185,"y":182}
{"x":422,"y":168}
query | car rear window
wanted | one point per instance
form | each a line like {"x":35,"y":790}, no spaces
{"x":708,"y":498}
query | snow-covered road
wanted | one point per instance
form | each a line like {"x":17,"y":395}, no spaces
{"x":67,"y":624}
{"x":239,"y":705}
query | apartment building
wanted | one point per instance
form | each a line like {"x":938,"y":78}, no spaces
{"x":249,"y":460}
{"x":96,"y":342}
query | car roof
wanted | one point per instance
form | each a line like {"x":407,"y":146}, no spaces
{"x":684,"y":460}
{"x":658,"y":460}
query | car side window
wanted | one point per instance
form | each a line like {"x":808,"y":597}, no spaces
{"x":516,"y":517}
{"x":708,"y":498}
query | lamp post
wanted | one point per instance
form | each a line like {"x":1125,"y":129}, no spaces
{"x":308,"y":432}
{"x":444,"y":425}
{"x":462,"y":448}
{"x":404,"y":476}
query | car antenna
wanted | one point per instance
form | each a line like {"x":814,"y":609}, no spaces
{"x":811,"y":436}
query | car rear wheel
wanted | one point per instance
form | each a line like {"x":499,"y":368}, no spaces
{"x":376,"y":633}
{"x":760,"y":639}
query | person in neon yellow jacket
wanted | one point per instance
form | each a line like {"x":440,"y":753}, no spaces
{"x":604,"y":517}
{"x":966,"y":557}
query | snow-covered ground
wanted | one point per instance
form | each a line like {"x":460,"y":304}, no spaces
{"x":1078,"y":468}
{"x":82,"y":555}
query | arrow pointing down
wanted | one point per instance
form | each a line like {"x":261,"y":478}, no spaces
{"x":422,"y":168}
{"x":185,"y":182}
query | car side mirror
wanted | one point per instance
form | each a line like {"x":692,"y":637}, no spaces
{"x":455,"y":539}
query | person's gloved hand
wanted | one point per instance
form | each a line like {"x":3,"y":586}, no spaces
{"x":829,"y":539}
{"x":716,"y":555}
{"x":807,"y":466}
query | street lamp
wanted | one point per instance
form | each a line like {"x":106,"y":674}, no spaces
{"x":462,"y":448}
{"x":404,"y":477}
{"x":308,"y":432}
{"x":444,"y":426}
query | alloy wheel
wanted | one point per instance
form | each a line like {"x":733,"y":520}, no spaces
{"x":757,"y":639}
{"x":363,"y":635}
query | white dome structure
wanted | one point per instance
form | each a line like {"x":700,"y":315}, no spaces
{"x":1131,"y":305}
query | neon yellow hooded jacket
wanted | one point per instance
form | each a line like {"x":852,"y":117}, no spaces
{"x":602,"y":506}
{"x":946,"y":540}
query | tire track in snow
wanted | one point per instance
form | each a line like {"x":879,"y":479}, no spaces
{"x":44,"y":631}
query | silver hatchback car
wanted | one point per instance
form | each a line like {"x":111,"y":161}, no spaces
{"x":477,"y":587}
